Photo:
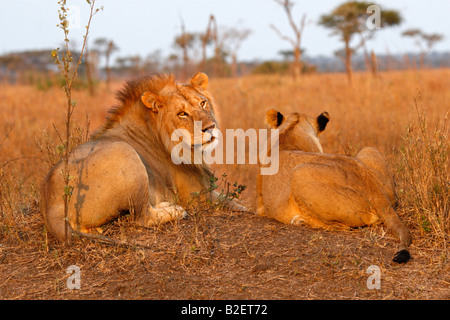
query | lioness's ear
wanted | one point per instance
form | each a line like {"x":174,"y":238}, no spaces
{"x":151,"y":100}
{"x":274,"y":118}
{"x":201,"y":80}
{"x":322,"y":121}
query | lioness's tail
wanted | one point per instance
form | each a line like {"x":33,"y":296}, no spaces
{"x":393,"y":222}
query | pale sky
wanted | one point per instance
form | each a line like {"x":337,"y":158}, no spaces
{"x":143,"y":26}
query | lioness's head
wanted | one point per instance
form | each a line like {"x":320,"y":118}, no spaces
{"x":298,"y":131}
{"x":183,"y":112}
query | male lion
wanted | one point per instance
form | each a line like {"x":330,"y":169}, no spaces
{"x":327,"y":191}
{"x":127,"y":166}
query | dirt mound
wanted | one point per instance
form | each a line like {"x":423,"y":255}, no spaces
{"x":220,"y":255}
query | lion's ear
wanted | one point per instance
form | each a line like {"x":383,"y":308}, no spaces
{"x":201,"y":80}
{"x":322,"y":121}
{"x":274,"y":118}
{"x":151,"y":101}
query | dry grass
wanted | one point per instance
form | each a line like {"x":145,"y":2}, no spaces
{"x":423,"y":177}
{"x":228,"y":255}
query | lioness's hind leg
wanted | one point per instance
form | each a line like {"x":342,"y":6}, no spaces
{"x":377,"y":163}
{"x":162,"y":213}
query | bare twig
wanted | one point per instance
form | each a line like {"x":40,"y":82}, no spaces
{"x":282,"y":36}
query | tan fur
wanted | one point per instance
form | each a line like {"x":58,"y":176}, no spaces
{"x":127,"y":165}
{"x":327,"y":191}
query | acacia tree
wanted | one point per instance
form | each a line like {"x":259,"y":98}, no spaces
{"x":296,"y":41}
{"x":424,"y":41}
{"x":349,"y":20}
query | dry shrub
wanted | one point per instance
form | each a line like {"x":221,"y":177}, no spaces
{"x":17,"y":200}
{"x":52,"y":152}
{"x":201,"y":207}
{"x":423,"y":183}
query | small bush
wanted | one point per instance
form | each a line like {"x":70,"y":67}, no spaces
{"x":271,"y":67}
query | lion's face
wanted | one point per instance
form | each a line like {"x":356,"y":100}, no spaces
{"x":298,"y":131}
{"x":184,"y":112}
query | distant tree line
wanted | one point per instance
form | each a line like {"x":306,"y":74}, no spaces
{"x":215,"y":50}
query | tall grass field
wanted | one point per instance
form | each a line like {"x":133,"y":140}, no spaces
{"x":404,"y":114}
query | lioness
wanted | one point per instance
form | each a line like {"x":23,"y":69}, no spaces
{"x":127,"y":166}
{"x":327,"y":191}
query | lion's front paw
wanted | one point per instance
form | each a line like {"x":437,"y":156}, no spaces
{"x":181,"y":213}
{"x":236,"y":206}
{"x":297,"y":220}
{"x":164,"y":212}
{"x":166,"y":209}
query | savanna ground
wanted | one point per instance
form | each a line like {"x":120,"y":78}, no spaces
{"x":219,"y":254}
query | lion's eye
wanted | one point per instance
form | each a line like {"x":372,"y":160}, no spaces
{"x":203,"y":104}
{"x":182,"y":114}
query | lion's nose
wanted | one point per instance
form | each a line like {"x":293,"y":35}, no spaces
{"x":208,"y":127}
